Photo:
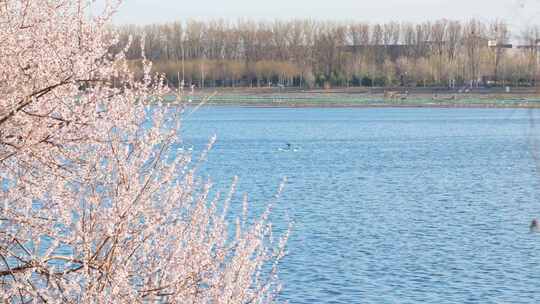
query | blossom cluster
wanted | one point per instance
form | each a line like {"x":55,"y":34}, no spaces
{"x":97,"y":202}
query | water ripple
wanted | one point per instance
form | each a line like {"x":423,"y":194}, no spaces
{"x":390,"y":205}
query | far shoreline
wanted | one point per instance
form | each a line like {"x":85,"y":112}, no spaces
{"x":525,"y":98}
{"x":375,"y":106}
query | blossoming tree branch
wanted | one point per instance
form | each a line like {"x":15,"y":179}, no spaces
{"x":97,"y":203}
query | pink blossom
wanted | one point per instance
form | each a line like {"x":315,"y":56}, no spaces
{"x":92,"y":208}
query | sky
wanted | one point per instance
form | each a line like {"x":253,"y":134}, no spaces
{"x":515,"y":12}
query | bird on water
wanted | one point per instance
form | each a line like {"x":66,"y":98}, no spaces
{"x":534,"y":226}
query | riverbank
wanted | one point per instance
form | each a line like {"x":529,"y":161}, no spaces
{"x":366,"y":97}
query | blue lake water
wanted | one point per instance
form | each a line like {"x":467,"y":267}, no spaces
{"x":389,"y":205}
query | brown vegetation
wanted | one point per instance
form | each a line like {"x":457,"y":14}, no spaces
{"x":309,"y":53}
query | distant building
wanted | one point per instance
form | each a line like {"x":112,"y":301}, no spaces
{"x":536,"y":45}
{"x":496,"y":44}
{"x":394,"y":51}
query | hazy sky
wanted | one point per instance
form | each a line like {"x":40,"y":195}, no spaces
{"x":515,"y":12}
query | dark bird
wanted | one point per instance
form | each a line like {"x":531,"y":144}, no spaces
{"x":534,"y":226}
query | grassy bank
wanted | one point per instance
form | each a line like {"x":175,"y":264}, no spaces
{"x":270,"y":97}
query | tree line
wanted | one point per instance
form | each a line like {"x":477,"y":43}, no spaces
{"x":308,"y":53}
